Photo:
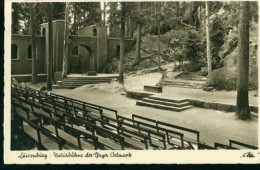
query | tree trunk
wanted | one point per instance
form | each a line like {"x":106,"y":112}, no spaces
{"x":208,"y":40}
{"x":243,"y":111}
{"x":75,"y":23}
{"x":122,"y":44}
{"x":104,"y":16}
{"x":33,"y":47}
{"x":138,"y":37}
{"x":131,"y":28}
{"x":127,"y":32}
{"x":191,"y":20}
{"x":66,"y":41}
{"x":159,"y":36}
{"x":50,"y":60}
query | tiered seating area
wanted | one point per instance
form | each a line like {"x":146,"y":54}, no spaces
{"x":57,"y":122}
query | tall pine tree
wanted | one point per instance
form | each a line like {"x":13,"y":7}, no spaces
{"x":33,"y":42}
{"x":243,"y":111}
{"x":50,"y":54}
{"x":122,"y":43}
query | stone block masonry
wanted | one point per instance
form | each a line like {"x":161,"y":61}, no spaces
{"x":137,"y":95}
{"x":155,"y":89}
{"x":218,"y":106}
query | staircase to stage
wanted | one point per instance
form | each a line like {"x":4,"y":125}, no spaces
{"x":76,"y":80}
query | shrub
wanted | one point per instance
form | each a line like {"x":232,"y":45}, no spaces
{"x":226,"y":78}
{"x":223,"y":79}
{"x":193,"y":66}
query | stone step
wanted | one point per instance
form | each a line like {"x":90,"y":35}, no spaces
{"x":138,"y":94}
{"x":58,"y":82}
{"x":159,"y":106}
{"x":69,"y":87}
{"x":166,"y":103}
{"x":56,"y":86}
{"x":77,"y":84}
{"x":169,"y":100}
{"x":80,"y":84}
{"x":183,"y":84}
{"x":89,"y":78}
{"x":83,"y":80}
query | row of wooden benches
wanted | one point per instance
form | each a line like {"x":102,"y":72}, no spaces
{"x":106,"y":121}
{"x":92,"y":128}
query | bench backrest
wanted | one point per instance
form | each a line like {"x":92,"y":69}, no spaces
{"x":149,"y":130}
{"x":87,"y":104}
{"x":202,"y":146}
{"x":233,"y":142}
{"x":223,"y":146}
{"x":185,"y":131}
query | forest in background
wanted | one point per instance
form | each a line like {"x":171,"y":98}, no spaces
{"x":169,"y":31}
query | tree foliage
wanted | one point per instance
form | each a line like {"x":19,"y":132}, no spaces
{"x":180,"y":24}
{"x":84,"y":14}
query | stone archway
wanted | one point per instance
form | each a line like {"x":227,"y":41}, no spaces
{"x":81,"y":59}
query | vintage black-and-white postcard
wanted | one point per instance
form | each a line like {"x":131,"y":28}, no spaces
{"x":131,"y":82}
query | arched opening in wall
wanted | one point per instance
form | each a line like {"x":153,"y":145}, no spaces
{"x":14,"y":52}
{"x":94,"y":32}
{"x":43,"y":32}
{"x":75,"y":51}
{"x":29,"y":52}
{"x":74,"y":60}
{"x":83,"y":61}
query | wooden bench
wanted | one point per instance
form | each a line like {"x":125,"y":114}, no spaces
{"x":104,"y":110}
{"x":223,"y":146}
{"x":156,"y":139}
{"x":47,"y":108}
{"x":190,"y":142}
{"x":170,"y":134}
{"x":110,"y":139}
{"x":203,"y":146}
{"x":132,"y":139}
{"x":77,"y":104}
{"x":73,"y":137}
{"x":78,"y":123}
{"x":42,"y":97}
{"x":240,"y":144}
{"x":106,"y":138}
{"x":23,"y":111}
{"x":44,"y":138}
{"x":155,"y":89}
{"x":106,"y":127}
